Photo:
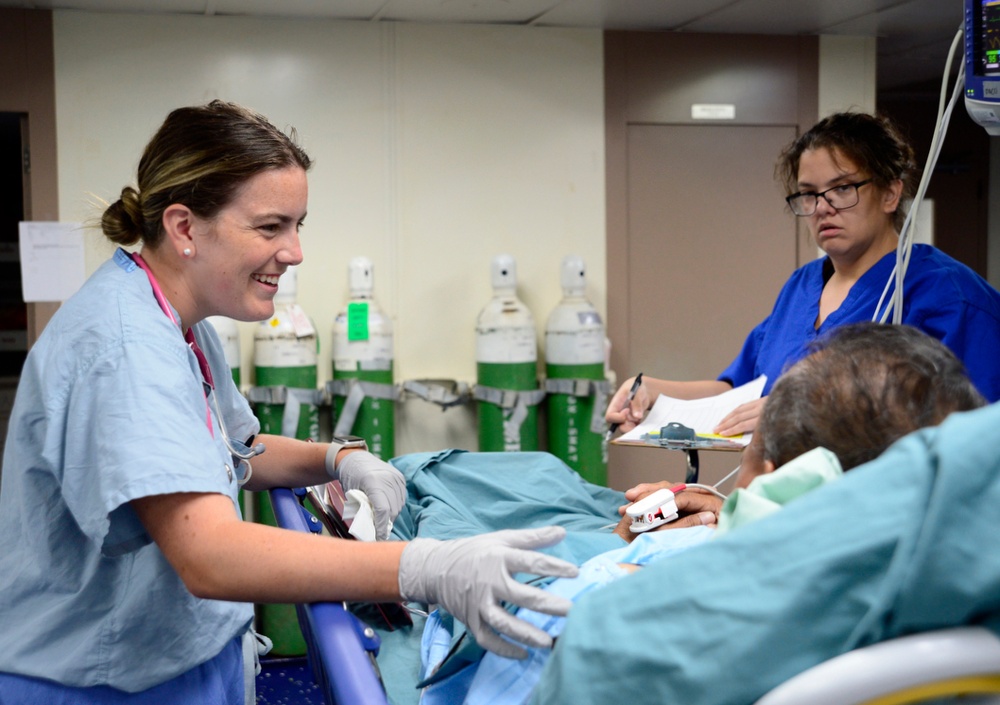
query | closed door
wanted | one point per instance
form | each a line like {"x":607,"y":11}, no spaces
{"x":710,"y":244}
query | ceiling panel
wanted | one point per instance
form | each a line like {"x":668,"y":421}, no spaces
{"x":341,"y":9}
{"x":907,"y":18}
{"x":637,"y":15}
{"x":465,"y":11}
{"x":138,"y":6}
{"x":783,"y":17}
{"x":914,"y":35}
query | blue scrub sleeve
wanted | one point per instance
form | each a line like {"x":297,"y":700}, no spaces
{"x":973,"y":334}
{"x":744,"y":368}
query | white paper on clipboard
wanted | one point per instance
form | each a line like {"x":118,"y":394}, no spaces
{"x":702,"y":415}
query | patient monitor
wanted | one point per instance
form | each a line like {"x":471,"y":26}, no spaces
{"x":982,"y":63}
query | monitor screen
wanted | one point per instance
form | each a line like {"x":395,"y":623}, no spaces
{"x":988,"y":38}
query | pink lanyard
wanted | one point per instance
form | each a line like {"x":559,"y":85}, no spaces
{"x":206,"y":371}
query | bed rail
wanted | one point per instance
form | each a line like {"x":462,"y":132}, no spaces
{"x":341,"y":648}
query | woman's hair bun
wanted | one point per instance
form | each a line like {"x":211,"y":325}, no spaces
{"x":122,"y":220}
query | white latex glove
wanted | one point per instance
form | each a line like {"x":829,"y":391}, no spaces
{"x":384,"y":485}
{"x":469,"y":577}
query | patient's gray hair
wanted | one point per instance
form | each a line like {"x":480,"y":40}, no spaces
{"x":863,"y":387}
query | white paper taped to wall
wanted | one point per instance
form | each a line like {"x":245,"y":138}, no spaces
{"x":52,"y":261}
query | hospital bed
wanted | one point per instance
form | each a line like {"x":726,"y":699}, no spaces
{"x":960,"y":664}
{"x":341,"y":648}
{"x":907,"y":669}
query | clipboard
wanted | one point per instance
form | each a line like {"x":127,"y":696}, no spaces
{"x":677,"y":436}
{"x":685,"y":424}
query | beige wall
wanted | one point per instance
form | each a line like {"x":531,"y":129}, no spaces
{"x":435,"y":148}
{"x":846,"y":74}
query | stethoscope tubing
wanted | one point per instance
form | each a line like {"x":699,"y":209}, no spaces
{"x":206,"y":373}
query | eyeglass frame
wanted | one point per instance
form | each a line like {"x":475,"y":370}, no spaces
{"x":857,"y":185}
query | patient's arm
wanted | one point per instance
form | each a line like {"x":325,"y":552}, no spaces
{"x":695,"y":507}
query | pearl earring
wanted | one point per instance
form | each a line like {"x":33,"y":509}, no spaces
{"x":187,"y":251}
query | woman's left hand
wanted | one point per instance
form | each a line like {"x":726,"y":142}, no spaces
{"x":384,"y":485}
{"x":742,"y":419}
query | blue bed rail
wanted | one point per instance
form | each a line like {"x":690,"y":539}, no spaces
{"x":341,"y":648}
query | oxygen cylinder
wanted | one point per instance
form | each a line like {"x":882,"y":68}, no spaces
{"x":229,"y":334}
{"x":363,"y":391}
{"x":285,"y":357}
{"x":506,"y":366}
{"x":286,"y":349}
{"x":575,"y":377}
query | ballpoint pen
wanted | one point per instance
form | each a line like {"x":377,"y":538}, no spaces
{"x":628,"y":400}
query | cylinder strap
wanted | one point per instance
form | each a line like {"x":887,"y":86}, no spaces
{"x":517,"y":400}
{"x":443,"y":392}
{"x":355,"y":391}
{"x":281,"y":395}
{"x":577,"y":387}
{"x":508,"y":398}
{"x":598,"y":388}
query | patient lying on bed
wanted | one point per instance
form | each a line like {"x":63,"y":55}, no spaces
{"x":903,"y":544}
{"x":860,"y":390}
{"x":864,"y":388}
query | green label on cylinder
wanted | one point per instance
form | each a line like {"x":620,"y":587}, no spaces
{"x":357,"y":321}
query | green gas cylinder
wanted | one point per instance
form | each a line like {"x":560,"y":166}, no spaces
{"x":577,"y":389}
{"x":363,"y":391}
{"x":506,"y":366}
{"x":285,"y":359}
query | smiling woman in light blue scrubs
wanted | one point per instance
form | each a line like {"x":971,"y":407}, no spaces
{"x":126,"y":572}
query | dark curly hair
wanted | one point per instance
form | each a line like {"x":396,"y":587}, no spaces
{"x":871,"y":142}
{"x":863,"y":387}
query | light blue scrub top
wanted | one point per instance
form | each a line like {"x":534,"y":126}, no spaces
{"x":110,"y":408}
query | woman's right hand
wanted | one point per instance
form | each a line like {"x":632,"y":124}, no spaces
{"x":628,"y":415}
{"x":473,"y":577}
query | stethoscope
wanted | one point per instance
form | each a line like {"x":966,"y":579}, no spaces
{"x":241,"y":457}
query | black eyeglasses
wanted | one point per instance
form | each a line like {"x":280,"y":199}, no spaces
{"x":839,"y":197}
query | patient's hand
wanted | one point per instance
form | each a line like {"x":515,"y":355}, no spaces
{"x":695,"y":507}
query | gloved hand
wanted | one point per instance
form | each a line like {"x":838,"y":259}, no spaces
{"x":384,"y":484}
{"x":469,"y":577}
